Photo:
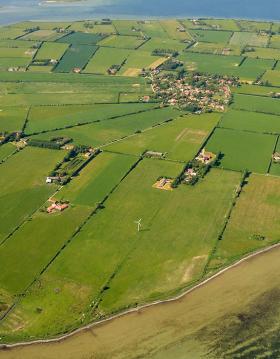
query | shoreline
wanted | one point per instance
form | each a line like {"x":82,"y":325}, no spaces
{"x":63,"y":337}
{"x":54,"y":4}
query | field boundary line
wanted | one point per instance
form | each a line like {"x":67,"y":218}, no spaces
{"x":137,"y":309}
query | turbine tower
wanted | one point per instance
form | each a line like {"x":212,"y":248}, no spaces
{"x":139,"y":224}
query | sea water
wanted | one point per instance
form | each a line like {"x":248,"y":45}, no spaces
{"x":17,"y":10}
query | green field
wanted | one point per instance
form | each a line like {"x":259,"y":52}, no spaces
{"x":44,"y":118}
{"x":248,"y":38}
{"x":215,"y":49}
{"x":248,"y":70}
{"x":255,"y":214}
{"x":211,"y":63}
{"x":264,"y":53}
{"x":122,"y":42}
{"x":180,"y":139}
{"x":251,"y":121}
{"x":163,"y":43}
{"x":138,"y":60}
{"x":211,"y":36}
{"x":253,"y":152}
{"x":256,"y":104}
{"x":97,"y":180}
{"x":105,"y":132}
{"x":44,"y":35}
{"x":51,"y":50}
{"x":6,"y":150}
{"x":104,"y":58}
{"x":12,"y":118}
{"x":77,"y":56}
{"x":272,"y":77}
{"x":23,"y":187}
{"x":80,"y":38}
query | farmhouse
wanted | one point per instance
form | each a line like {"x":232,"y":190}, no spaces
{"x":164,"y":183}
{"x":205,"y":157}
{"x":154,"y":154}
{"x":56,"y":206}
{"x":276,"y":157}
{"x":189,"y":174}
{"x":52,"y":179}
{"x":77,"y":70}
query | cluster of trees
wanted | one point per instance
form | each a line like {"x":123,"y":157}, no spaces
{"x":171,"y":64}
{"x":165,"y":52}
{"x":199,"y":168}
{"x":44,"y":144}
{"x":54,"y":143}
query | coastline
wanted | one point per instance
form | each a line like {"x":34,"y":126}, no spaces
{"x":89,"y":326}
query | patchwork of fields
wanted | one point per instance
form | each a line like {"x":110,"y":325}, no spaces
{"x":89,"y":147}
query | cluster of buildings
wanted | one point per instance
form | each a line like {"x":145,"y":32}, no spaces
{"x":57,"y":207}
{"x":194,"y":92}
{"x":205,"y":157}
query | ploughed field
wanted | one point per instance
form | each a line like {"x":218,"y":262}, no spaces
{"x":88,"y":149}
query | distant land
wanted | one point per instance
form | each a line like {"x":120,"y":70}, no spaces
{"x":18,"y":10}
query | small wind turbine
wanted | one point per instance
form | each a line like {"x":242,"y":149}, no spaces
{"x":139,"y":224}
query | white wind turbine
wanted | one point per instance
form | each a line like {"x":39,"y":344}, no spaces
{"x":139,"y":224}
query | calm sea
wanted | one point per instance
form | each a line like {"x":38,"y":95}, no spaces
{"x":18,"y":10}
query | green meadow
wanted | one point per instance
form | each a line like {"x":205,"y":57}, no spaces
{"x":253,"y":152}
{"x":180,"y":139}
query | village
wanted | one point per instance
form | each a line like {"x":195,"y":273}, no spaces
{"x":196,"y":93}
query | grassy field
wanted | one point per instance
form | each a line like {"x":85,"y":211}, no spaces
{"x":10,"y":33}
{"x":163,"y":43}
{"x":80,"y":38}
{"x":77,"y":56}
{"x":215,"y":49}
{"x":171,"y":27}
{"x":23,"y":188}
{"x":51,"y":50}
{"x":104,"y":58}
{"x":255,"y":214}
{"x":272,"y":77}
{"x":210,"y":63}
{"x":7,"y":62}
{"x":275,"y":41}
{"x":44,"y":35}
{"x":22,"y":256}
{"x":256,"y":104}
{"x":248,"y":70}
{"x":220,"y":37}
{"x":254,"y":90}
{"x":180,"y":139}
{"x":122,"y":42}
{"x":248,"y":38}
{"x":253,"y":152}
{"x":6,"y":150}
{"x":264,"y":53}
{"x":42,"y":118}
{"x":105,"y":132}
{"x":251,"y":121}
{"x":97,"y":180}
{"x":138,"y":60}
{"x":12,"y":118}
